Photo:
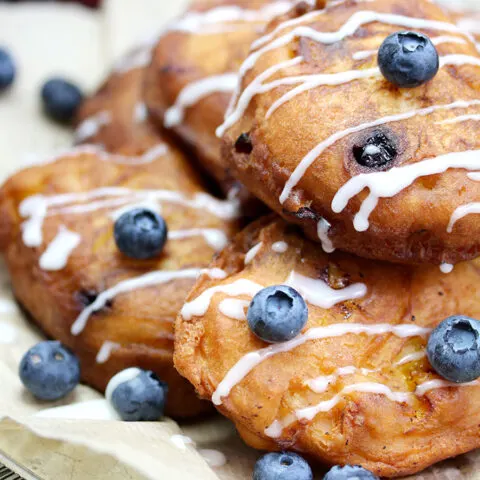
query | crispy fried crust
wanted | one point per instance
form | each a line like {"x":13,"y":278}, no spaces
{"x":125,"y":127}
{"x":180,"y":59}
{"x":140,"y":321}
{"x":411,"y":226}
{"x":388,"y":437}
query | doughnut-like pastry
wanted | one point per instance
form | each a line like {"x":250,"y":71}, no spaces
{"x":56,"y":234}
{"x":194,"y":68}
{"x":355,"y":386}
{"x":116,"y":116}
{"x":320,"y":136}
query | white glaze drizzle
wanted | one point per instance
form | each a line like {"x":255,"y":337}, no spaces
{"x":309,"y":82}
{"x":318,"y":293}
{"x":121,"y":377}
{"x":460,"y":118}
{"x":474,"y":176}
{"x":256,"y":86}
{"x":144,"y":281}
{"x":357,"y":20}
{"x":214,"y":20}
{"x":36,"y":208}
{"x":411,"y":357}
{"x":320,"y":384}
{"x":280,"y":247}
{"x":323,"y":227}
{"x":234,"y":308}
{"x":196,"y":91}
{"x":310,"y":158}
{"x":140,"y":113}
{"x":249,"y":361}
{"x":298,"y":21}
{"x":389,"y":183}
{"x":214,"y":458}
{"x":149,"y":203}
{"x":425,"y":387}
{"x":91,"y":126}
{"x":446,"y":268}
{"x":58,"y":252}
{"x":463,"y":211}
{"x":106,"y":351}
{"x":252,"y":253}
{"x":199,"y":306}
{"x":309,"y":413}
{"x":214,"y":237}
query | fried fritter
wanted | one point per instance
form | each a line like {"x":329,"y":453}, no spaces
{"x":314,"y":107}
{"x":194,"y":68}
{"x":355,"y":386}
{"x":116,"y":117}
{"x":56,"y":233}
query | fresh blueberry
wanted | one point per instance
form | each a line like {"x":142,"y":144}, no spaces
{"x":408,"y":59}
{"x":140,"y":233}
{"x":7,"y":70}
{"x":282,"y":466}
{"x":277,"y":314}
{"x":244,"y":144}
{"x":349,"y":472}
{"x":454,"y":349}
{"x":137,"y":395}
{"x":61,"y":99}
{"x":50,"y":371}
{"x":376,"y":151}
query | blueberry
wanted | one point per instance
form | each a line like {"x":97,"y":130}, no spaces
{"x":244,"y":144}
{"x":282,"y":466}
{"x":140,"y":398}
{"x":408,"y":59}
{"x":454,"y":349}
{"x":7,"y":70}
{"x":50,"y":371}
{"x":376,"y":151}
{"x":140,"y":233}
{"x":349,"y":472}
{"x":277,"y":314}
{"x":61,"y":99}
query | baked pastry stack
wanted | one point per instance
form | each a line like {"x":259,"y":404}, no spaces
{"x":343,"y":326}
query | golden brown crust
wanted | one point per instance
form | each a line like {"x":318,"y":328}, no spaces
{"x":411,"y":226}
{"x":141,"y":321}
{"x":388,"y":437}
{"x":182,"y":58}
{"x":124,"y":126}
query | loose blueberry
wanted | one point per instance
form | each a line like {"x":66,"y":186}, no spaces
{"x":376,"y":152}
{"x":61,"y":99}
{"x":50,"y":371}
{"x":277,"y":314}
{"x":408,"y":59}
{"x":454,"y":349}
{"x":7,"y":70}
{"x":349,"y":472}
{"x":282,"y":466}
{"x":244,"y":144}
{"x":140,"y":233}
{"x":141,"y":397}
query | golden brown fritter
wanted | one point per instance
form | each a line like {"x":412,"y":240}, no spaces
{"x":140,"y":321}
{"x":203,"y":51}
{"x":326,"y":109}
{"x":371,"y":409}
{"x":116,"y":117}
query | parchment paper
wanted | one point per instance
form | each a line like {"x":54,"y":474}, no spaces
{"x":68,"y":40}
